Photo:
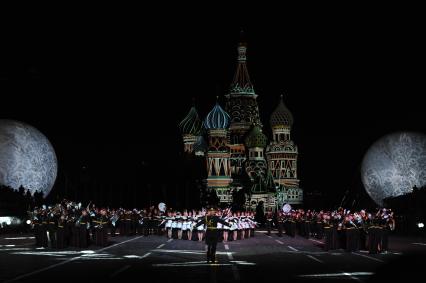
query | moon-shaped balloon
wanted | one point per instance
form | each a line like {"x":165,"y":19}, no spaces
{"x":394,"y":165}
{"x":26,"y":158}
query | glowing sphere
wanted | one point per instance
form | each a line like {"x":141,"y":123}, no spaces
{"x":394,"y":165}
{"x":26,"y":158}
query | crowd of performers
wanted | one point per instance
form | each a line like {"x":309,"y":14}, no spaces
{"x":340,"y":229}
{"x":69,"y":224}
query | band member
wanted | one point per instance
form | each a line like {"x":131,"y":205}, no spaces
{"x":43,"y":229}
{"x":184,"y":227}
{"x":113,"y":222}
{"x":200,"y":229}
{"x":291,"y":229}
{"x":226,"y":229}
{"x":146,"y":224}
{"x":194,"y":230}
{"x":280,"y":224}
{"x":212,"y":235}
{"x":373,"y":237}
{"x":253,"y":224}
{"x":234,"y":226}
{"x":101,"y":229}
{"x":128,"y":223}
{"x":36,"y":226}
{"x":388,"y":224}
{"x":61,"y":232}
{"x":307,"y":224}
{"x":168,"y":225}
{"x":269,"y":218}
{"x":328,"y":234}
{"x":174,"y":225}
{"x":83,"y":231}
{"x":319,"y":226}
{"x":189,"y":225}
{"x":179,"y":226}
{"x":352,"y":236}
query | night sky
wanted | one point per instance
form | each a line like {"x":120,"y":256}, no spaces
{"x":108,"y":90}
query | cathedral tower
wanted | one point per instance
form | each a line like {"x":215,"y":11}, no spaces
{"x":282,"y":156}
{"x":243,"y":110}
{"x":218,"y":153}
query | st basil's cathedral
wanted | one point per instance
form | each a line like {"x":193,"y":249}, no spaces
{"x":238,"y":157}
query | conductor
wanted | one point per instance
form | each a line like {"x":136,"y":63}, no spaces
{"x":212,"y":235}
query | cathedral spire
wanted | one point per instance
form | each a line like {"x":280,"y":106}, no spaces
{"x":241,"y":84}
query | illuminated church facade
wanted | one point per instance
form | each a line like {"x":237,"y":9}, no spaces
{"x":237,"y":153}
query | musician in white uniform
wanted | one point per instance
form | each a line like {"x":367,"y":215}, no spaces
{"x":200,"y":229}
{"x":179,"y":225}
{"x":168,"y":225}
{"x":226,"y":229}
{"x":190,"y":224}
{"x":185,"y":224}
{"x":234,"y":226}
{"x":174,"y":225}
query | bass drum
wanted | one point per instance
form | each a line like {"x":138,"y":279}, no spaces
{"x":286,"y":208}
{"x":162,"y":206}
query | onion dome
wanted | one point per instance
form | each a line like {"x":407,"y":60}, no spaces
{"x":217,"y":118}
{"x":191,"y":124}
{"x":200,"y":146}
{"x":256,"y":138}
{"x":281,"y":115}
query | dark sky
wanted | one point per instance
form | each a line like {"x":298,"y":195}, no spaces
{"x":108,"y":89}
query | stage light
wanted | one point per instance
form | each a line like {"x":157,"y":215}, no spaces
{"x":420,"y":225}
{"x":26,"y":158}
{"x":394,"y":165}
{"x":28,"y":222}
{"x":6,"y":219}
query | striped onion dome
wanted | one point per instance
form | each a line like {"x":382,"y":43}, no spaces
{"x":281,"y":115}
{"x":191,"y":124}
{"x":217,"y":118}
{"x":256,"y":138}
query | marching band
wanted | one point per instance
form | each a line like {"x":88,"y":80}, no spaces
{"x":70,"y":224}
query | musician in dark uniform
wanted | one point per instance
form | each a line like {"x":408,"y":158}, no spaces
{"x":212,"y":235}
{"x":280,"y":224}
{"x":319,"y":227}
{"x":328,"y":234}
{"x":128,"y":223}
{"x":51,"y":228}
{"x":140,"y":223}
{"x":387,"y":223}
{"x":307,"y":224}
{"x":101,"y":229}
{"x":37,"y":223}
{"x":43,"y":229}
{"x":121,"y":223}
{"x":113,"y":222}
{"x":363,"y":223}
{"x":373,"y":237}
{"x":269,"y":219}
{"x":133,"y":222}
{"x":331,"y":233}
{"x":291,"y":225}
{"x":351,"y":233}
{"x":61,"y":233}
{"x":84,"y":229}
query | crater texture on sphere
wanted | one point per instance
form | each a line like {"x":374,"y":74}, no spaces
{"x":26,"y":157}
{"x":394,"y":165}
